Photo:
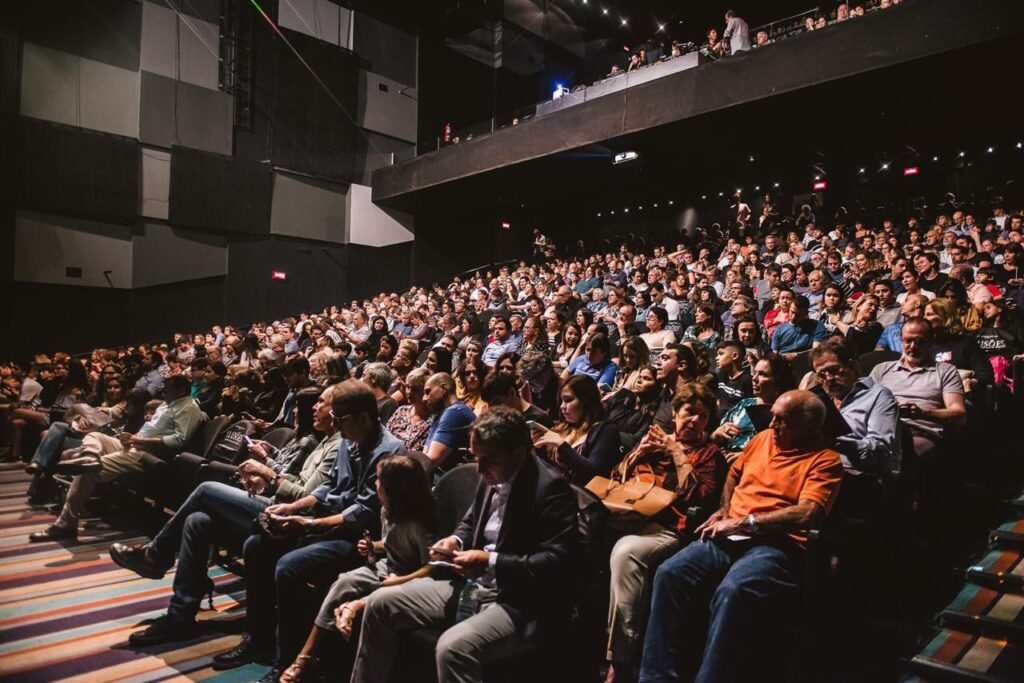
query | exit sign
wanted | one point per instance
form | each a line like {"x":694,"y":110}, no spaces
{"x":278,"y":275}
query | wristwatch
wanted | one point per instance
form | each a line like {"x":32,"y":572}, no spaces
{"x":752,"y":522}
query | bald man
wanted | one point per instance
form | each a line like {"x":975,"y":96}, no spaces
{"x":744,"y":568}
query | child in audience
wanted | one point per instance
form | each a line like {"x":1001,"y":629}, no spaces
{"x":407,"y":524}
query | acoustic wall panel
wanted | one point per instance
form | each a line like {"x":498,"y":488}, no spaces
{"x":109,"y":98}
{"x":59,"y":250}
{"x":157,"y":110}
{"x":372,"y":225}
{"x":65,"y":88}
{"x":320,"y":19}
{"x":73,"y":171}
{"x":162,"y":254}
{"x":105,"y":31}
{"x":386,"y":106}
{"x":390,"y":51}
{"x":307,"y":208}
{"x":204,"y":118}
{"x":49,"y":84}
{"x":219,"y":193}
{"x":180,"y":46}
{"x":375,"y":151}
{"x":156,"y":183}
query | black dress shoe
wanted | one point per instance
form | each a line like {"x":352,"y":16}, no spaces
{"x":165,"y":629}
{"x":138,"y":559}
{"x":54,"y":533}
{"x":243,"y":653}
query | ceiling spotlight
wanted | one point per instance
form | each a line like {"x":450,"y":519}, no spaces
{"x":757,"y":188}
{"x":670,"y":202}
{"x":640,"y":208}
{"x":598,"y":214}
{"x":863,"y":170}
{"x":661,"y":27}
{"x":604,"y":11}
{"x":703,"y":196}
{"x":750,"y":158}
{"x":1020,"y":145}
{"x":963,"y":154}
{"x":721,"y":194}
{"x":885,"y":166}
{"x":739,"y":191}
{"x":584,"y":2}
{"x":817,"y":177}
{"x":655,"y":205}
{"x":625,"y":210}
{"x":623,"y":22}
{"x":935,"y":158}
{"x":990,"y":150}
{"x":775,"y":185}
{"x":612,"y":212}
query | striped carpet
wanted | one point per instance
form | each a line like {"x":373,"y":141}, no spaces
{"x":66,"y":609}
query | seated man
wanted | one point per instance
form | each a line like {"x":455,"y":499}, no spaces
{"x":503,"y":343}
{"x":105,"y":458}
{"x":287,"y":575}
{"x":800,"y":333}
{"x":745,"y":569}
{"x":516,"y":542}
{"x":216,"y":512}
{"x":452,"y":418}
{"x":595,"y":363}
{"x":930,"y":394}
{"x":501,"y":390}
{"x":870,"y":410}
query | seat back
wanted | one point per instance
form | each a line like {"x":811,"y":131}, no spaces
{"x":454,"y":495}
{"x":279,"y":437}
{"x":211,"y":431}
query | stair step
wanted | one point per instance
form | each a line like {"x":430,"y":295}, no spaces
{"x":987,"y":612}
{"x":1009,"y":535}
{"x":959,"y":656}
{"x":1001,"y":569}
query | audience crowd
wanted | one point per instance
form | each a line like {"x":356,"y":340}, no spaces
{"x":719,"y":399}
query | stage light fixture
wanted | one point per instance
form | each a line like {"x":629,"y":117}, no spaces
{"x":817,"y":177}
{"x":750,"y":158}
{"x":598,"y":214}
{"x":935,"y":158}
{"x":661,"y":27}
{"x":721,"y":194}
{"x":963,"y":154}
{"x":640,"y":208}
{"x":703,"y":196}
{"x":623,"y":22}
{"x":863,"y":171}
{"x":625,"y":210}
{"x":757,"y":188}
{"x":604,"y":11}
{"x":885,"y":166}
{"x":655,"y":205}
{"x":776,"y":185}
{"x":670,"y":202}
{"x":990,"y":150}
{"x":1020,"y":145}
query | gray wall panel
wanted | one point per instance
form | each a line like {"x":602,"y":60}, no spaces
{"x":317,"y":18}
{"x":159,"y":39}
{"x":49,"y":84}
{"x":204,"y":119}
{"x":156,"y":110}
{"x":389,"y":51}
{"x":156,"y":183}
{"x":386,"y":106}
{"x":307,"y":208}
{"x":45,"y":246}
{"x":180,"y":46}
{"x":102,"y":30}
{"x":162,"y":254}
{"x":110,"y":98}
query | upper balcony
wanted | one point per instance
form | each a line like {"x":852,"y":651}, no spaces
{"x":667,"y":95}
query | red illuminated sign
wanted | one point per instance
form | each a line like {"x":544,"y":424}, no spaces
{"x":278,"y":275}
{"x":820,"y":185}
{"x":505,"y":225}
{"x":911,"y":170}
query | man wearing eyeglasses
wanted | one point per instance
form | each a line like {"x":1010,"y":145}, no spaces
{"x":873,"y":445}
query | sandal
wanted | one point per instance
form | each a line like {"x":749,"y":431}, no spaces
{"x":345,"y":617}
{"x":302,"y":667}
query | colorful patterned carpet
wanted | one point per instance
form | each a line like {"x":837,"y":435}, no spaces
{"x":66,"y":609}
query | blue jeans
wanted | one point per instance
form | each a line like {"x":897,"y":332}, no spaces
{"x":214,"y":512}
{"x":278,"y":574}
{"x":59,"y":437}
{"x":748,"y":590}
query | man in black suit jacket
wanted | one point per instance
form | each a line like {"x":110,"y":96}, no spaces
{"x":516,"y":541}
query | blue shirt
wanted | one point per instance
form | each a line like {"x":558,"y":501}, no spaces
{"x":795,"y":337}
{"x":873,"y":444}
{"x":452,"y":427}
{"x":152,"y":383}
{"x":891,"y":339}
{"x":351,"y":487}
{"x":602,"y":375}
{"x":496,"y":349}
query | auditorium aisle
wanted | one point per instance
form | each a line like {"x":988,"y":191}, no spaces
{"x":66,"y":609}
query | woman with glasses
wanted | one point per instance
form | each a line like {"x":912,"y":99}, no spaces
{"x":772,"y":377}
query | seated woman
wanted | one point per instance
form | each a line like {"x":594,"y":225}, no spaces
{"x":954,"y":345}
{"x":534,"y":338}
{"x":772,"y":377}
{"x":682,"y":462}
{"x":747,"y":332}
{"x":411,"y":421}
{"x":863,"y":330}
{"x":407,"y":523}
{"x":632,"y":410}
{"x":567,"y":349}
{"x":439,"y":359}
{"x":582,"y":445}
{"x":469,"y":379}
{"x":833,"y":307}
{"x":780,"y":313}
{"x":73,"y":388}
{"x":657,"y":336}
{"x":707,"y":328}
{"x":633,"y":355}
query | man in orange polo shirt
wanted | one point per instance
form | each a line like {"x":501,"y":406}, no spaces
{"x":745,"y":568}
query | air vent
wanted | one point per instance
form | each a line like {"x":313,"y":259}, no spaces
{"x":382,"y":87}
{"x":73,"y":272}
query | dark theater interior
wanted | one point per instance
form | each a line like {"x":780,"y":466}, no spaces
{"x":508,"y":341}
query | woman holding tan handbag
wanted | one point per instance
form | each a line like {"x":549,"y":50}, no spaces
{"x":683,"y":466}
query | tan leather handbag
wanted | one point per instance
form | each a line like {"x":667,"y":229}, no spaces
{"x":632,"y":503}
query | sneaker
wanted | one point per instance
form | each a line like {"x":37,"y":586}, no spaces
{"x":54,"y":533}
{"x":165,"y":629}
{"x":138,"y":559}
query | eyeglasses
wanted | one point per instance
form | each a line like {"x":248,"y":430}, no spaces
{"x":339,"y":418}
{"x":830,"y":372}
